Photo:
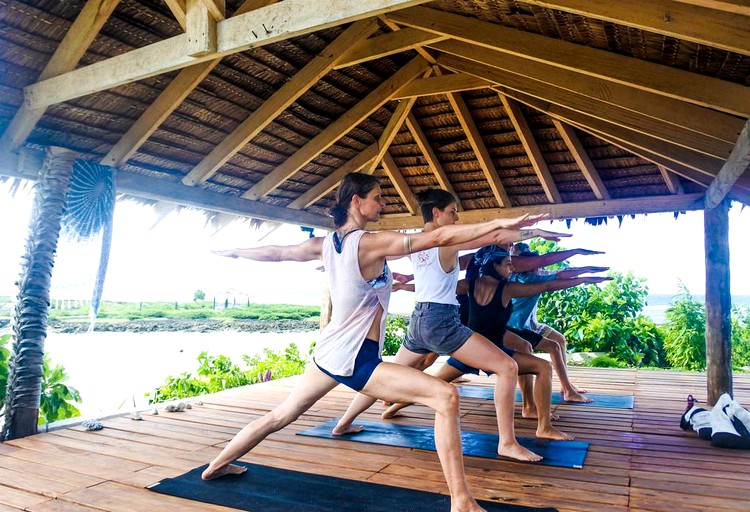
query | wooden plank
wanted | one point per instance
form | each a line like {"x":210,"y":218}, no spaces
{"x":387,"y":44}
{"x":282,"y":20}
{"x":480,"y":149}
{"x":671,"y":180}
{"x":582,"y":159}
{"x":66,"y":57}
{"x":429,"y":154}
{"x":333,"y":132}
{"x":400,"y":184}
{"x":598,"y":109}
{"x":331,"y":181}
{"x":216,"y":8}
{"x":679,"y":113}
{"x":582,"y":210}
{"x":178,"y":8}
{"x":513,"y":111}
{"x":671,"y":82}
{"x":264,"y":115}
{"x":703,"y":25}
{"x":733,"y":6}
{"x":200,"y":29}
{"x":455,"y":82}
{"x":391,"y":130}
{"x":735,"y":166}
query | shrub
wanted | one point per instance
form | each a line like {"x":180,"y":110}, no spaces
{"x":607,"y":362}
{"x":4,"y":356}
{"x":395,"y":330}
{"x":685,"y":333}
{"x":56,"y":396}
{"x":275,"y":365}
{"x":741,"y":337}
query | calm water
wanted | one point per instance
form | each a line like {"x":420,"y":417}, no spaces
{"x":658,"y":304}
{"x":111,"y":369}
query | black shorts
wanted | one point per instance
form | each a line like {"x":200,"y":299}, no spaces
{"x":527,"y":334}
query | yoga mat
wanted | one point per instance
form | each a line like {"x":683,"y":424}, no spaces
{"x":610,"y":401}
{"x":267,"y":489}
{"x":564,"y":454}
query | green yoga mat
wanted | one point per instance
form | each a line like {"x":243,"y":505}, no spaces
{"x":267,"y":489}
{"x":564,"y":454}
{"x":609,"y":401}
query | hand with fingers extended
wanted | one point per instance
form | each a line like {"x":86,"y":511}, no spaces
{"x":595,"y":269}
{"x":587,"y":252}
{"x":524,"y":221}
{"x":228,"y":253}
{"x":402,"y":278}
{"x":552,"y":235}
{"x":596,"y":279}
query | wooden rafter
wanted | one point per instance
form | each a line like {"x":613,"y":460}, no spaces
{"x":178,"y":8}
{"x":703,"y":25}
{"x":169,"y":99}
{"x":582,"y":159}
{"x":455,"y":82}
{"x":75,"y":43}
{"x":399,"y":183}
{"x":596,"y":108}
{"x":679,"y":113}
{"x":629,"y":206}
{"x":429,"y":154}
{"x":698,"y":161}
{"x":338,"y":128}
{"x":543,"y":174}
{"x":735,"y":166}
{"x":671,"y":180}
{"x":277,"y":22}
{"x":200,"y":20}
{"x":709,"y":92}
{"x":278,"y":102}
{"x":391,"y":130}
{"x":734,"y":6}
{"x":387,"y":44}
{"x":463,"y":114}
{"x":358,"y":163}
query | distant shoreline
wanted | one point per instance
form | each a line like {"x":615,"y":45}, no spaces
{"x":186,"y":325}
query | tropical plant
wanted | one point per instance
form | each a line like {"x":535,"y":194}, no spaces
{"x":4,"y":356}
{"x":26,"y":363}
{"x":395,"y":330}
{"x":741,"y":337}
{"x":685,"y":332}
{"x":607,"y":362}
{"x":276,"y":365}
{"x":199,"y":295}
{"x":56,"y":396}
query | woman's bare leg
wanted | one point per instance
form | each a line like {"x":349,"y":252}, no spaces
{"x":362,"y":402}
{"x":481,"y":353}
{"x":525,"y":382}
{"x":446,"y":373}
{"x":397,"y":383}
{"x":558,"y":361}
{"x":542,"y":394}
{"x":313,"y":385}
{"x":559,"y":338}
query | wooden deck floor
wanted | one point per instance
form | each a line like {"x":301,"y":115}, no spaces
{"x":639,"y":459}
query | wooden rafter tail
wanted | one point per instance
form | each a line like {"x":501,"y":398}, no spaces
{"x":733,"y":169}
{"x":379,"y":96}
{"x":671,"y":180}
{"x":664,"y":80}
{"x":582,"y":159}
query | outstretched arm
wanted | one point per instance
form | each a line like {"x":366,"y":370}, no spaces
{"x":310,"y":249}
{"x":515,"y":290}
{"x":509,"y":236}
{"x":526,"y":263}
{"x":570,"y":273}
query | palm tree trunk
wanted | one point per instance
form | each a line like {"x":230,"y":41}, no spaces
{"x":25,"y":367}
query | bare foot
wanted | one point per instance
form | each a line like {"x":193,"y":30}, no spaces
{"x":518,"y":452}
{"x":389,"y":413}
{"x":580,"y":390}
{"x":465,"y":505}
{"x":229,"y":469}
{"x":553,"y":433}
{"x":533,"y":416}
{"x":529,"y":412}
{"x":577,"y":397}
{"x":386,"y":404}
{"x":348,"y":429}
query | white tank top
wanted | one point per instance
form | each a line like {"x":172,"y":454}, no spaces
{"x":431,"y":282}
{"x":355,"y":303}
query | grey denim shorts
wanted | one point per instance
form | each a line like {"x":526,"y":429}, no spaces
{"x":436,"y":328}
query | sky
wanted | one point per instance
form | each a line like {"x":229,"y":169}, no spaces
{"x":169,"y":260}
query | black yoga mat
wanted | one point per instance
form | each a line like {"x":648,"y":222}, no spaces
{"x":564,"y":454}
{"x":609,"y":401}
{"x":267,"y":489}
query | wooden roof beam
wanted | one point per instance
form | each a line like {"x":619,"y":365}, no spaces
{"x":387,"y":44}
{"x":513,"y":111}
{"x":682,"y":114}
{"x":454,"y":82}
{"x":67,"y":55}
{"x":671,"y":180}
{"x":629,"y":206}
{"x":582,"y":159}
{"x":735,"y":166}
{"x":733,"y":6}
{"x":675,"y":83}
{"x":400,"y":184}
{"x":429,"y":154}
{"x":201,"y":17}
{"x":169,"y":99}
{"x":391,"y":130}
{"x":325,"y":139}
{"x":356,"y":164}
{"x":703,"y":25}
{"x":480,"y":150}
{"x":179,"y":10}
{"x":595,"y":108}
{"x":264,"y":115}
{"x":277,"y":22}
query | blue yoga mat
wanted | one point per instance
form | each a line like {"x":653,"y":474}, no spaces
{"x":267,"y":489}
{"x":564,"y":454}
{"x":609,"y":401}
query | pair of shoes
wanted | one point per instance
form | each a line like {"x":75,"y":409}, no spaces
{"x":697,"y":418}
{"x":730,"y":424}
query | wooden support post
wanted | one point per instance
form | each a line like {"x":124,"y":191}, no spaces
{"x":718,"y":302}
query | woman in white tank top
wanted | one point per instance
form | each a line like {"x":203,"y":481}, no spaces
{"x":360,"y":287}
{"x":435,"y":325}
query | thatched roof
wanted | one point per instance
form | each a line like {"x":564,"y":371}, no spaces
{"x":575,"y":107}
